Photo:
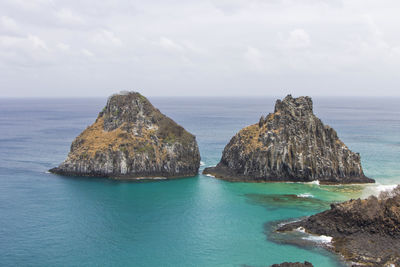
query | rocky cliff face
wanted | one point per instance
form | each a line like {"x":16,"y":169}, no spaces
{"x":366,"y":232}
{"x":291,"y":144}
{"x":131,"y":138}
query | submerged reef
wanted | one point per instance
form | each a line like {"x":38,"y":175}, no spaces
{"x":132,"y":139}
{"x":291,"y":144}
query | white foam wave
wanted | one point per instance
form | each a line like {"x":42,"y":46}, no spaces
{"x":316,"y":182}
{"x":305,"y":195}
{"x":202,"y":163}
{"x":376,"y":189}
{"x":284,"y":223}
{"x":322,"y":239}
{"x":386,"y":187}
{"x":209,"y":175}
{"x":313,"y":182}
{"x":150,"y":178}
{"x":160,"y":178}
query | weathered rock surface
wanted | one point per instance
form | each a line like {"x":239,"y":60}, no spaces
{"x":366,"y":232}
{"x":291,"y":144}
{"x":293,"y":264}
{"x":129,"y":139}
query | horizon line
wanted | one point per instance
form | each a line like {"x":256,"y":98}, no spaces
{"x":204,"y":96}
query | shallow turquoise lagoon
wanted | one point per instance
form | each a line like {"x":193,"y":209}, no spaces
{"x":48,"y":220}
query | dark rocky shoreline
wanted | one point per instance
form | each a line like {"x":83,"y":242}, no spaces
{"x":293,"y":264}
{"x":364,"y":232}
{"x":224,"y":173}
{"x":119,"y":177}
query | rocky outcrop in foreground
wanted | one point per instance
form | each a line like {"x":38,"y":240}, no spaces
{"x":293,"y":264}
{"x":291,"y":144}
{"x":131,"y":139}
{"x":365,"y":232}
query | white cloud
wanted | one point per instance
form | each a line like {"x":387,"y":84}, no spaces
{"x":37,"y":42}
{"x":67,"y":16}
{"x":29,"y":5}
{"x":105,"y":37}
{"x":298,"y":38}
{"x":230,"y":45}
{"x":170,"y":45}
{"x":87,"y":53}
{"x":376,"y":35}
{"x":26,"y":52}
{"x":254,"y":57}
{"x":396,"y":50}
{"x":8,"y":25}
{"x":9,"y":41}
{"x":63,"y":47}
{"x":195,"y":48}
{"x":29,"y":42}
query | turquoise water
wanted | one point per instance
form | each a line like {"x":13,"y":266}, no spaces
{"x":48,"y":220}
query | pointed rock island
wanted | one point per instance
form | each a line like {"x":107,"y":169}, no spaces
{"x":131,"y":139}
{"x":291,"y":144}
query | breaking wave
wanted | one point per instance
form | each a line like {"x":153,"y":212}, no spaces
{"x":305,"y":195}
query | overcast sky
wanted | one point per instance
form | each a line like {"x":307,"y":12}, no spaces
{"x":189,"y":47}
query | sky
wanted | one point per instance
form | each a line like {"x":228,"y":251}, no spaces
{"x":92,"y":48}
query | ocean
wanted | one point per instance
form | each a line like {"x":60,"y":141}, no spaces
{"x":50,"y":220}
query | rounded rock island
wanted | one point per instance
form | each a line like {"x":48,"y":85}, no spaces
{"x":131,"y":139}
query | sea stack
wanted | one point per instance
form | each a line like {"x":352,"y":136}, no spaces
{"x":365,"y":232}
{"x":291,"y":144}
{"x":131,"y":139}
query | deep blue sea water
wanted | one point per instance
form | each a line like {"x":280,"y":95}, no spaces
{"x":49,"y":220}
